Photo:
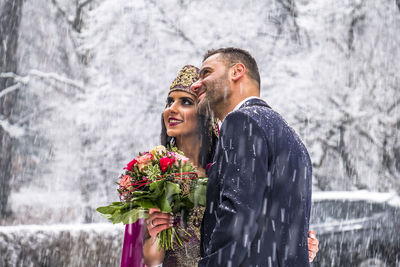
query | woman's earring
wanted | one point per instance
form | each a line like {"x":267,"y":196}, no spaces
{"x":172,"y":142}
{"x":215,"y":127}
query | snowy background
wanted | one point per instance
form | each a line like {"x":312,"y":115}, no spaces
{"x":84,"y":83}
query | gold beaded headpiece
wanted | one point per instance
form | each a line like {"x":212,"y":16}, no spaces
{"x":186,"y":77}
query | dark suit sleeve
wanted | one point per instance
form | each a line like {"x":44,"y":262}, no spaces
{"x":242,"y":175}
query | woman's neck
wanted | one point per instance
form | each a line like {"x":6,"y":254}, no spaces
{"x":190,"y":146}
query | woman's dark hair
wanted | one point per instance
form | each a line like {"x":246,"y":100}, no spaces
{"x":208,"y":139}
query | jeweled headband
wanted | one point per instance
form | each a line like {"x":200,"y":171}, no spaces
{"x":186,"y":77}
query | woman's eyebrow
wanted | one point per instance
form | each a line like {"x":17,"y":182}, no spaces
{"x":186,"y":98}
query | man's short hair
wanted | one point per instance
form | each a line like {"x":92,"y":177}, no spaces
{"x":232,"y":55}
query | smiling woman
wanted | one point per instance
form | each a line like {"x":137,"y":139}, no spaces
{"x":192,"y":133}
{"x":182,"y":125}
{"x":180,"y":115}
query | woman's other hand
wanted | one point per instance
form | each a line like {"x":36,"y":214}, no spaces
{"x":158,"y":221}
{"x":312,"y":245}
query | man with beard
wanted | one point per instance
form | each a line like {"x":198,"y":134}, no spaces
{"x":259,"y":187}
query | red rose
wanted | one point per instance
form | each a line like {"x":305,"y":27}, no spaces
{"x":130,"y":165}
{"x":165,"y":162}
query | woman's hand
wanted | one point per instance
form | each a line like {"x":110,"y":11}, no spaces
{"x":312,"y":245}
{"x":158,"y":221}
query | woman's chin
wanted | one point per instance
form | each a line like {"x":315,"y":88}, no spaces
{"x":173,"y":132}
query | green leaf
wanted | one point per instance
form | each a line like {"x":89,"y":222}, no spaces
{"x":163,"y":204}
{"x":110,"y":209}
{"x":171,"y":190}
{"x":152,"y":172}
{"x":198,"y":193}
{"x":118,"y":212}
{"x":139,"y":193}
{"x":133,"y":215}
{"x":187,"y":168}
{"x":145,"y":203}
{"x":157,"y":188}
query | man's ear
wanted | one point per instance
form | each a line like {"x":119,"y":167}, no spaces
{"x":238,"y":71}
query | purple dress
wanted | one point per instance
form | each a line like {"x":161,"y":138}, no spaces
{"x":133,"y":243}
{"x":189,"y":254}
{"x":186,"y":256}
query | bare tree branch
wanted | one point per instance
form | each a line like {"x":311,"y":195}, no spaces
{"x":395,"y":104}
{"x":365,"y":134}
{"x":76,"y":22}
{"x":290,"y":7}
{"x":347,"y":116}
{"x":84,"y":3}
{"x":356,"y":18}
{"x":10,"y":89}
{"x":14,"y":130}
{"x":58,"y":78}
{"x":172,"y":25}
{"x":31,"y":115}
{"x":62,"y":12}
{"x":322,"y":159}
{"x":23,"y":80}
{"x":11,"y":129}
{"x":334,"y":101}
{"x":326,"y":144}
{"x":354,"y":22}
{"x":16,"y":77}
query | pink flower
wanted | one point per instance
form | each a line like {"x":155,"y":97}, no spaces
{"x":180,"y":158}
{"x":125,"y":181}
{"x":165,"y":163}
{"x":130,"y":165}
{"x":143,"y":161}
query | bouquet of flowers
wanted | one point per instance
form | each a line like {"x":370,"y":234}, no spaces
{"x":163,"y":178}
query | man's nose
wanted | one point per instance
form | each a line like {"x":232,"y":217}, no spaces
{"x":195,"y":87}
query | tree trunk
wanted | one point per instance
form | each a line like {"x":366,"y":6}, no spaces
{"x":10,"y":17}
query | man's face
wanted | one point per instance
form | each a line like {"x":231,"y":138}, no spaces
{"x":213,"y":86}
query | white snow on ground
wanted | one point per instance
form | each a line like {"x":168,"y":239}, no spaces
{"x":72,"y":228}
{"x":390,"y":197}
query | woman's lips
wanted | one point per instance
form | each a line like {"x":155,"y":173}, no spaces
{"x":174,"y":122}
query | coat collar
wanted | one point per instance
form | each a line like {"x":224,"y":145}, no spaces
{"x":256,"y":101}
{"x":249,"y":102}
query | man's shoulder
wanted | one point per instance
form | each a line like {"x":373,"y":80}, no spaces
{"x":260,"y":115}
{"x":264,"y":120}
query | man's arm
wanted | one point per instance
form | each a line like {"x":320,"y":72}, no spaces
{"x":242,"y":174}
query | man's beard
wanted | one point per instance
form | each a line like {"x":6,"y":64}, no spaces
{"x":216,"y":94}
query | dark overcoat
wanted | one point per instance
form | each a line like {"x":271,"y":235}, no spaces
{"x":258,"y":193}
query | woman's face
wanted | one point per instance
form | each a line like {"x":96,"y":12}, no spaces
{"x":180,"y":114}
